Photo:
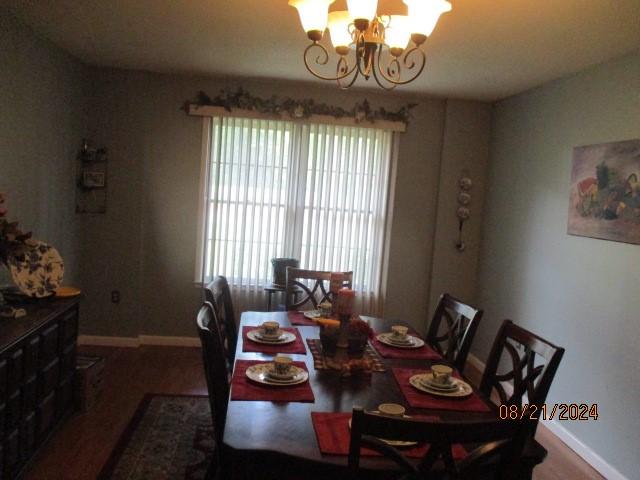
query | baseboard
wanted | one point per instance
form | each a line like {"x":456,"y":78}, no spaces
{"x":108,"y":341}
{"x":475,"y":367}
{"x":139,"y":340}
{"x":169,"y":341}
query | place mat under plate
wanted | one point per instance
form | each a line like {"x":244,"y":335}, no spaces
{"x":319,"y":363}
{"x":244,"y":389}
{"x":418,"y":399}
{"x":298,"y":318}
{"x":334,"y":435}
{"x":425,"y":352}
{"x":296,"y":346}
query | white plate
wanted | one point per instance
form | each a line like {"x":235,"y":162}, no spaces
{"x":260,"y":373}
{"x":429,"y":383}
{"x":463,"y":390}
{"x":312,"y":314}
{"x":393,"y":443}
{"x":414,"y":342}
{"x":284,"y":338}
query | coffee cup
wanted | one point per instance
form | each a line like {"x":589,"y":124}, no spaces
{"x":441,"y":374}
{"x":282,"y":364}
{"x":270,"y":328}
{"x":391,"y":409}
{"x":399,"y":332}
{"x":325,"y":309}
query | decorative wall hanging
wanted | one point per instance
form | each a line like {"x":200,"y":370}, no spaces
{"x":91,"y":179}
{"x":297,"y":109}
{"x":605,"y":191}
{"x":463,"y":213}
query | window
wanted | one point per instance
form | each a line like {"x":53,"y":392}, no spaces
{"x":315,"y":192}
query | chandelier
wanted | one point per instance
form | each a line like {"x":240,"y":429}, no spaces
{"x":385,"y":47}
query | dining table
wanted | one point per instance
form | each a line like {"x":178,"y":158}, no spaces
{"x":277,"y":439}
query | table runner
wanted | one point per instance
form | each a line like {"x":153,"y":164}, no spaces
{"x":423,"y":353}
{"x":298,"y":318}
{"x":244,"y":389}
{"x":334,"y":435}
{"x":418,"y":399}
{"x":315,"y":347}
{"x":249,"y":345}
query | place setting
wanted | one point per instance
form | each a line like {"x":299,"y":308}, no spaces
{"x":439,"y":388}
{"x":271,"y":338}
{"x":282,"y":380}
{"x":401,"y":343}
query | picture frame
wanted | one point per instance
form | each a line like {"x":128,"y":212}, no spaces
{"x":93,"y":179}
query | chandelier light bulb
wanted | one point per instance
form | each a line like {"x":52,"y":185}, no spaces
{"x":313,"y":16}
{"x":424,"y":14}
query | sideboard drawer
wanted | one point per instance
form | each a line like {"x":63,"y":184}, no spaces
{"x":14,"y":409}
{"x":31,"y":354}
{"x":46,"y":413}
{"x":14,"y":372}
{"x":68,"y":328}
{"x":48,"y":344}
{"x":49,"y":378}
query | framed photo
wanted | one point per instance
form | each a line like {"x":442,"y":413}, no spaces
{"x":605,"y":191}
{"x":93,"y":179}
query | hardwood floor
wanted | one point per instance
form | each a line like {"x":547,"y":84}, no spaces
{"x":83,"y":444}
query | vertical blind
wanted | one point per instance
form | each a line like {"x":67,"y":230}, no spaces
{"x":315,"y":192}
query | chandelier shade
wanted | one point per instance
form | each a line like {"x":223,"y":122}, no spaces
{"x":424,"y":14}
{"x":387,"y":47}
{"x":313,"y":13}
{"x":362,"y":9}
{"x":338,"y":24}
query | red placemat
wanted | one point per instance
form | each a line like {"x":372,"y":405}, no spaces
{"x":249,"y":345}
{"x":418,"y":399}
{"x":423,"y":353}
{"x":334,"y":435}
{"x":244,"y":389}
{"x":298,"y":318}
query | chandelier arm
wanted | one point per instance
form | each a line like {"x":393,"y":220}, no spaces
{"x":379,"y":82}
{"x":322,"y":59}
{"x":345,"y":67}
{"x":409,"y":65}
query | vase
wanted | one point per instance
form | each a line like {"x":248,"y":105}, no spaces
{"x":329,"y":342}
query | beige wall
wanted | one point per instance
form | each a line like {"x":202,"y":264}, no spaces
{"x":42,"y":122}
{"x":145,"y":245}
{"x":581,"y":293}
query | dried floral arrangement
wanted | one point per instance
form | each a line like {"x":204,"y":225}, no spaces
{"x":12,"y":239}
{"x":274,"y":105}
{"x":359,"y":328}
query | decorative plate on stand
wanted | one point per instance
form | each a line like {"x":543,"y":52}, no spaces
{"x":40,"y":272}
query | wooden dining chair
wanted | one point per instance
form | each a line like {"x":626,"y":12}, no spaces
{"x":452,"y":329}
{"x":315,"y":294}
{"x":495,"y":445}
{"x":218,"y":294}
{"x":217,"y":374}
{"x":528,"y":364}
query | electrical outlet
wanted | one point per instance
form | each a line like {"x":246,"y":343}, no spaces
{"x":115,"y":296}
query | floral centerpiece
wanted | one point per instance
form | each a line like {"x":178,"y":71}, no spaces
{"x":358,"y":333}
{"x":13,"y":241}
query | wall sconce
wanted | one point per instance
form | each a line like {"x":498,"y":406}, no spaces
{"x":463,"y":213}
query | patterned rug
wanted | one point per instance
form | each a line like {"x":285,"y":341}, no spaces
{"x":169,"y":437}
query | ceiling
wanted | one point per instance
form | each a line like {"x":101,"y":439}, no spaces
{"x":483,"y":49}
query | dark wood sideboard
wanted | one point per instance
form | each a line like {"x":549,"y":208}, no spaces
{"x":37,"y":366}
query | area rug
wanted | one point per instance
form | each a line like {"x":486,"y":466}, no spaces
{"x":169,"y":437}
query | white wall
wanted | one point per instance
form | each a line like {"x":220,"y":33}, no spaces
{"x":580,"y":293}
